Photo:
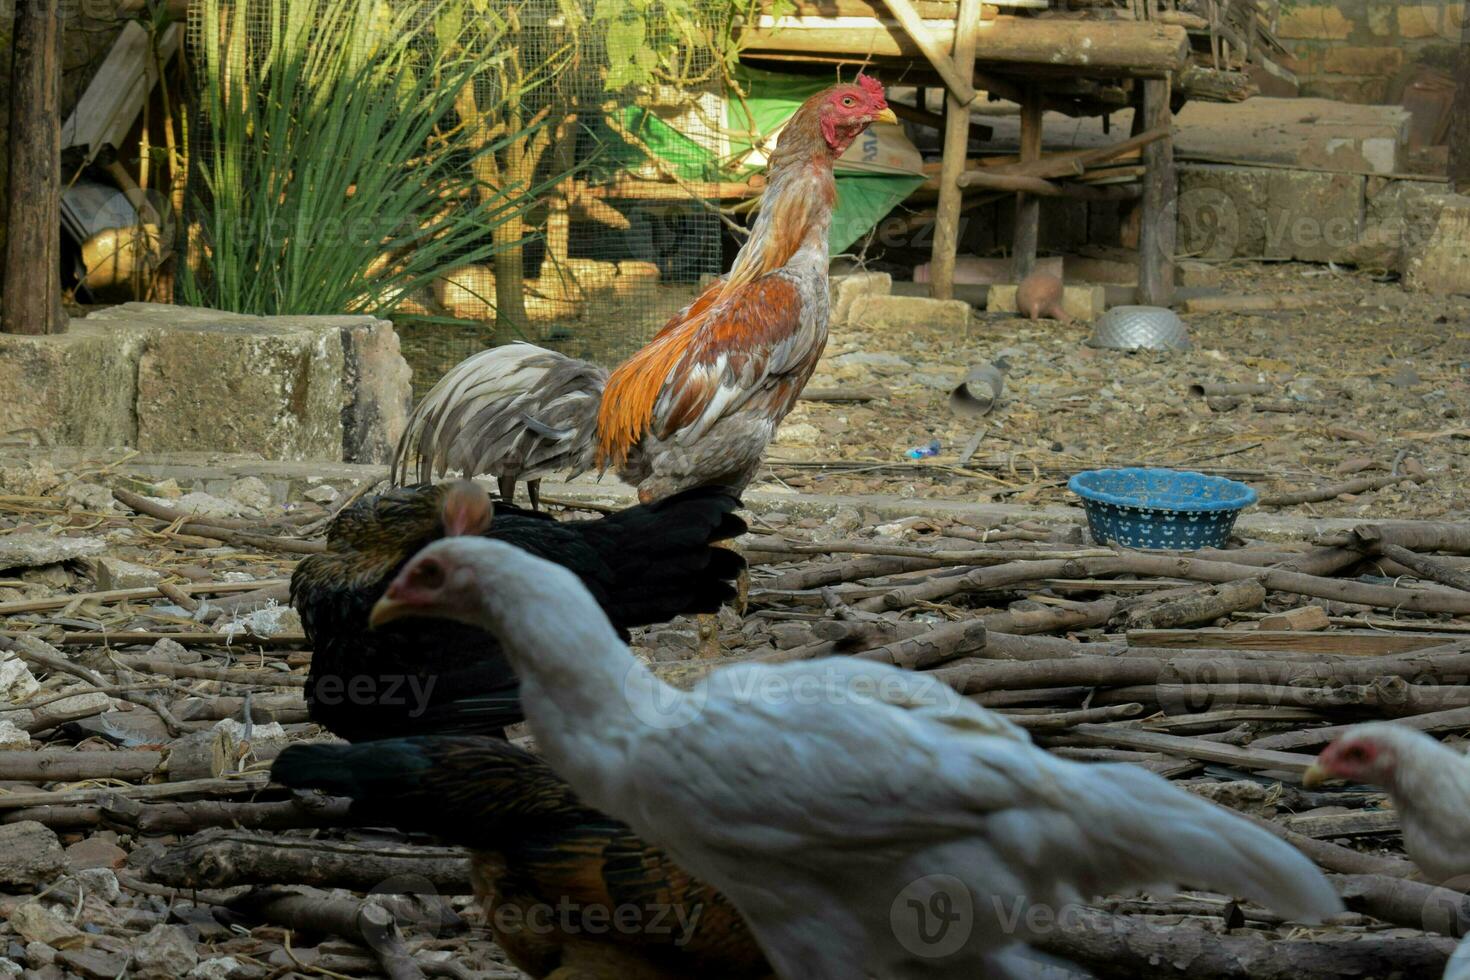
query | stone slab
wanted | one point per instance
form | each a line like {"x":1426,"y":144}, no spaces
{"x":876,"y":312}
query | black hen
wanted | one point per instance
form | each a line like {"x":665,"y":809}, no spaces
{"x":537,"y":850}
{"x":645,"y":565}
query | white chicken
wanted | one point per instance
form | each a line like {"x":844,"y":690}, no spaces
{"x":1428,"y":782}
{"x":867,"y":821}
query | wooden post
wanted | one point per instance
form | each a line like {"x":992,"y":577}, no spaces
{"x":1028,"y":206}
{"x":1158,"y":231}
{"x":1460,"y":114}
{"x":961,"y":86}
{"x":956,"y":148}
{"x":32,"y":284}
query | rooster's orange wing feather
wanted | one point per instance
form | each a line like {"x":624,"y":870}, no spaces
{"x":750,"y":351}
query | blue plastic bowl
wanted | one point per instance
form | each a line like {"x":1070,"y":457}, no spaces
{"x":1165,"y":509}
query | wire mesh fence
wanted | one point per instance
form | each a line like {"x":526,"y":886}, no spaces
{"x":569,"y":158}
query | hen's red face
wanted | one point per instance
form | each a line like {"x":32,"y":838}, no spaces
{"x":1357,"y":759}
{"x":847,"y":110}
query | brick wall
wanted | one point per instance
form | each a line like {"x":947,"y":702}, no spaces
{"x":1367,"y":51}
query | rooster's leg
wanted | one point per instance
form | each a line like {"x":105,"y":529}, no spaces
{"x":533,"y":490}
{"x":507,"y":485}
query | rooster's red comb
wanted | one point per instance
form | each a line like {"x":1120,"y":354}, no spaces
{"x":872,"y":86}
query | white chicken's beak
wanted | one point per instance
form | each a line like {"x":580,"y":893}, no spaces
{"x":1315,"y":775}
{"x":886,"y":116}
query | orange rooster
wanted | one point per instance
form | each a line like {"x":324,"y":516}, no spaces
{"x":696,"y":406}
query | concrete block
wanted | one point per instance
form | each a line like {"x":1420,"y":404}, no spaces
{"x":1399,"y":215}
{"x":77,"y":388}
{"x":378,"y":387}
{"x":906,"y":312}
{"x":1227,"y":212}
{"x":286,"y":387}
{"x":1441,"y":264}
{"x":1427,"y":21}
{"x":846,"y":289}
{"x":1085,"y":303}
{"x":1355,"y":60}
{"x":1315,"y":23}
{"x":272,"y":386}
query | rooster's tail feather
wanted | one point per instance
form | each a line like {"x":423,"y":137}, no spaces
{"x":512,"y":411}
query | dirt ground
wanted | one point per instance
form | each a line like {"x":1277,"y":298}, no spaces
{"x":1375,"y":378}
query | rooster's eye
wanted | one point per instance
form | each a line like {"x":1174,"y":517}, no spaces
{"x":849,"y":101}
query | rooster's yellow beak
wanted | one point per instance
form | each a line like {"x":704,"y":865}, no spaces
{"x":386,"y":610}
{"x":886,"y":116}
{"x":1315,"y":775}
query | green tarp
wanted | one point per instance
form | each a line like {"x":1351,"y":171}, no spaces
{"x":863,"y":198}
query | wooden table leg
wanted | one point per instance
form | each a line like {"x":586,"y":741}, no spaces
{"x":1028,"y":206}
{"x":1160,"y":210}
{"x":956,"y":147}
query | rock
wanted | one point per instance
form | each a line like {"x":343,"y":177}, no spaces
{"x":908,"y":312}
{"x":29,"y":479}
{"x":53,"y":577}
{"x":78,"y":703}
{"x":10,"y":968}
{"x":30,"y":854}
{"x":847,"y":519}
{"x":13,"y":739}
{"x":31,"y":549}
{"x":846,"y":289}
{"x":36,"y":923}
{"x":100,"y":882}
{"x":175,"y":651}
{"x":94,"y":963}
{"x":113,"y":573}
{"x":164,"y":952}
{"x":202,"y":505}
{"x":251,"y":492}
{"x":266,"y":622}
{"x":39,"y":954}
{"x":91,"y":497}
{"x":16,"y":680}
{"x":878,"y":363}
{"x":798,"y":434}
{"x":323,"y":494}
{"x":94,"y":852}
{"x":217,"y":968}
{"x":1195,"y":275}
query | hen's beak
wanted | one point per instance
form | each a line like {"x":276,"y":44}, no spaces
{"x":386,"y":610}
{"x":886,"y":116}
{"x":1315,"y":775}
